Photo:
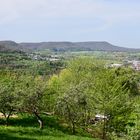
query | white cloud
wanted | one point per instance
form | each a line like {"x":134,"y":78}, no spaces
{"x":12,"y":10}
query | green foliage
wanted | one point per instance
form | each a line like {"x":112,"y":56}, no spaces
{"x":73,"y":107}
{"x":84,"y":89}
{"x":8,"y":98}
{"x":108,"y":92}
{"x":30,"y":91}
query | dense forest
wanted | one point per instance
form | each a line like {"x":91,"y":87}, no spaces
{"x":76,"y":98}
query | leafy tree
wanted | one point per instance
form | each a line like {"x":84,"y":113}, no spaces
{"x":111,"y":99}
{"x":70,"y":91}
{"x":31,"y":91}
{"x":8,"y":97}
{"x":72,"y":105}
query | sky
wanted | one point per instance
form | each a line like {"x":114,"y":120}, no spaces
{"x":114,"y":21}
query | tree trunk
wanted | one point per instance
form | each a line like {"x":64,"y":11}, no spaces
{"x":73,"y":127}
{"x":104,"y":129}
{"x":40,"y":121}
{"x":7,"y":117}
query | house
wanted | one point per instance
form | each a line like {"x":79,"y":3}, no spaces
{"x":136,"y":65}
{"x":116,"y":65}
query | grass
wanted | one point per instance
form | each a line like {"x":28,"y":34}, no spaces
{"x":30,"y":133}
{"x":26,"y":128}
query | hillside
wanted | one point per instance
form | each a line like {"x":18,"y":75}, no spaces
{"x":77,"y":46}
{"x":11,"y":46}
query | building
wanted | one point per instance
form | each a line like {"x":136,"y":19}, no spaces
{"x":136,"y":65}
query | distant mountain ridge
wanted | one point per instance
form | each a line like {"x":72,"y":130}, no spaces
{"x":10,"y":46}
{"x":65,"y":46}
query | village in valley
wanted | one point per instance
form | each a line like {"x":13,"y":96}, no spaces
{"x":131,"y":64}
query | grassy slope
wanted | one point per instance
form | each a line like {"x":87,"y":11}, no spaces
{"x":27,"y":129}
{"x":30,"y":133}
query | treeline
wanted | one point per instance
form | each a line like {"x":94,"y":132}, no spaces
{"x":21,"y":62}
{"x":78,"y":94}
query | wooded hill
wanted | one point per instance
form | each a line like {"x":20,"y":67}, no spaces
{"x":63,"y":46}
{"x":10,"y":46}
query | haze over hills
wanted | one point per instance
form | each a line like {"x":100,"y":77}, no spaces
{"x":63,"y":46}
{"x":10,"y":46}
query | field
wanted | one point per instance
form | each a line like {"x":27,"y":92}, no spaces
{"x":25,"y":128}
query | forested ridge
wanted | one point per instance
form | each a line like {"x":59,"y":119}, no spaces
{"x":64,"y":46}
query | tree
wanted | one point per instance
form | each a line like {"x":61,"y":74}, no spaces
{"x":112,"y":100}
{"x":70,"y":91}
{"x":72,"y":105}
{"x":8,"y":97}
{"x":31,"y":91}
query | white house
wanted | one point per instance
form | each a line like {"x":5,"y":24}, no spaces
{"x":136,"y":65}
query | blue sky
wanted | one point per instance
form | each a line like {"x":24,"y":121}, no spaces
{"x":115,"y":21}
